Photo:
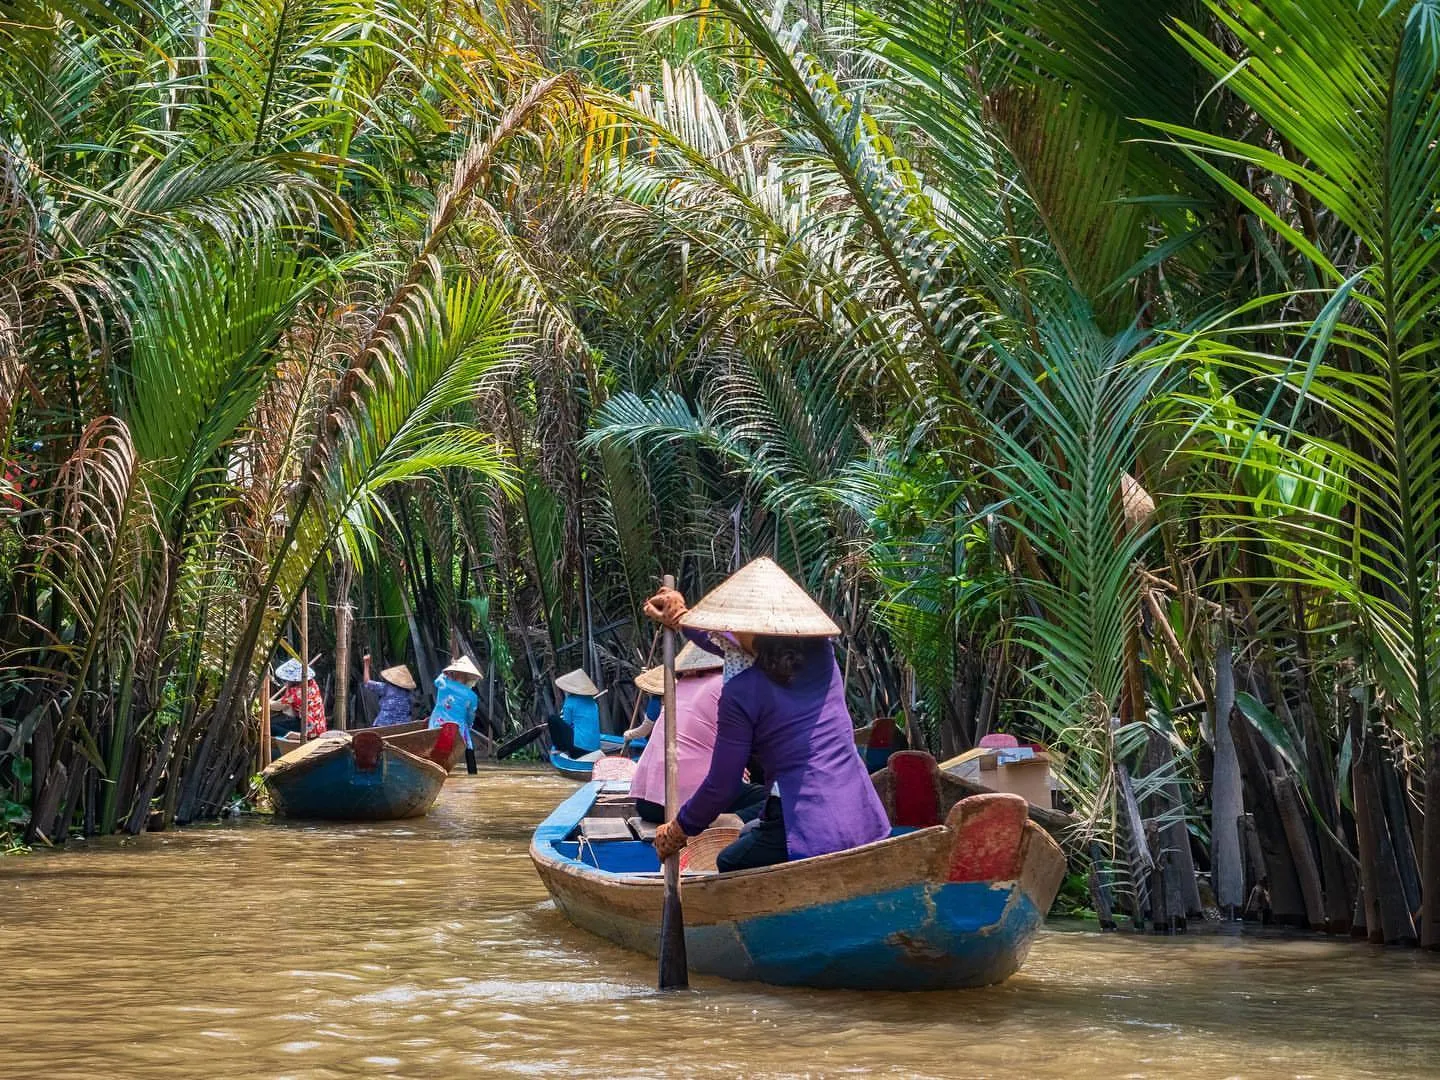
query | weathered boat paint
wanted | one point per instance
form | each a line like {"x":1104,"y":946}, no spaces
{"x":951,"y":905}
{"x":334,"y":785}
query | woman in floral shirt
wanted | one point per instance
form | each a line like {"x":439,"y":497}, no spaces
{"x":289,"y":700}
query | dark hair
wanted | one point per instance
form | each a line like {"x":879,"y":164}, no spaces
{"x":781,"y":658}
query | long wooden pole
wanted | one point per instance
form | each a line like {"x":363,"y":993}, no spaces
{"x":674,"y":966}
{"x":265,"y":744}
{"x":304,"y":660}
{"x":342,"y":648}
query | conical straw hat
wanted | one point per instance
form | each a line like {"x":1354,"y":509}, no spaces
{"x":577,"y":682}
{"x":400,"y":676}
{"x":760,"y":598}
{"x":692,"y":659}
{"x":289,"y":671}
{"x":652,"y":680}
{"x":462,"y":666}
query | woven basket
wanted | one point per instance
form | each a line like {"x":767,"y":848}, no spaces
{"x":613,"y":768}
{"x":701,"y":851}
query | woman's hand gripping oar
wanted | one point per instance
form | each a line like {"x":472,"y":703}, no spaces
{"x":674,"y":967}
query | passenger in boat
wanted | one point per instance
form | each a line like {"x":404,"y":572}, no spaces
{"x":578,"y":724}
{"x":395,"y":690}
{"x":288,"y":702}
{"x":784,"y":700}
{"x":697,"y":700}
{"x":457,"y":702}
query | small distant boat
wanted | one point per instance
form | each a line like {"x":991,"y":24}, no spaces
{"x":576,"y":768}
{"x":614,"y":744}
{"x":949,"y":899}
{"x":344,"y":776}
{"x":417,"y":738}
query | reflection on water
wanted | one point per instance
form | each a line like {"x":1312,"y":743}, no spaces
{"x":428,"y":949}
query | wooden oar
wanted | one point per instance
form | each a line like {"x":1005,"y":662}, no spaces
{"x":674,"y":967}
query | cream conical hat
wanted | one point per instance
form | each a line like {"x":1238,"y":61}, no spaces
{"x":462,"y":666}
{"x":760,"y":598}
{"x":577,"y":682}
{"x":692,"y":659}
{"x":400,"y":676}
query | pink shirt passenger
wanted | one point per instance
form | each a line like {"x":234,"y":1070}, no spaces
{"x":697,"y":698}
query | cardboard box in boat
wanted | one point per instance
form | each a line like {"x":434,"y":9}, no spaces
{"x":1016,"y":771}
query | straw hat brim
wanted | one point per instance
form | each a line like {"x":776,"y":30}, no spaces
{"x":462,"y":666}
{"x":400,"y":676}
{"x":691,"y":661}
{"x":692,"y":658}
{"x":577,"y":682}
{"x":652,"y":680}
{"x":760,"y":598}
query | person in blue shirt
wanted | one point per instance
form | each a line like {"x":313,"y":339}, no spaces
{"x":456,"y":702}
{"x":580,"y":714}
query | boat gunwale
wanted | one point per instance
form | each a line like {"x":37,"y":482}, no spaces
{"x":919,"y":857}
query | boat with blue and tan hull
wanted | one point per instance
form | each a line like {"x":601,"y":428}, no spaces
{"x":359,"y":776}
{"x":954,"y":897}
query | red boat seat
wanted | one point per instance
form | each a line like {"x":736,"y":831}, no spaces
{"x":445,"y":743}
{"x":917,"y":789}
{"x":882,"y":733}
{"x":367,"y":747}
{"x":988,"y":833}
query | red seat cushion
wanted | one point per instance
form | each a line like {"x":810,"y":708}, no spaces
{"x":367,"y":747}
{"x":917,"y":788}
{"x":882,"y":733}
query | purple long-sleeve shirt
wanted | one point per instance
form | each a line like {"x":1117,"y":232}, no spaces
{"x":804,"y":739}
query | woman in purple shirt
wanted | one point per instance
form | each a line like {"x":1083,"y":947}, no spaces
{"x":784,"y":702}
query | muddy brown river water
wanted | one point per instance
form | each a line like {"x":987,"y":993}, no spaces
{"x":420,"y":949}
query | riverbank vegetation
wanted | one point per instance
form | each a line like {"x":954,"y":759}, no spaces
{"x":1077,"y":356}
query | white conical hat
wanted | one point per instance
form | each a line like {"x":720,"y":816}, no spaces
{"x":760,"y":598}
{"x":289,"y":671}
{"x":692,"y":658}
{"x":577,"y":682}
{"x":462,"y":666}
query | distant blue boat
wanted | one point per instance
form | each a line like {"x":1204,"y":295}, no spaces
{"x":355,"y":777}
{"x":576,"y":768}
{"x":950,"y":903}
{"x":611,"y":744}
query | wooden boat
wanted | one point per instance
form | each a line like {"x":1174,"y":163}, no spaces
{"x":945,"y":901}
{"x":576,"y":768}
{"x":417,"y":738}
{"x":356,"y":777}
{"x":613,"y":744}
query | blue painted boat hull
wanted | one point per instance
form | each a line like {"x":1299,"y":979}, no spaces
{"x":333,"y":787}
{"x":571,"y":767}
{"x":887,"y":916}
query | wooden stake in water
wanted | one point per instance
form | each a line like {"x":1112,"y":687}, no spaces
{"x":674,"y":966}
{"x":265,"y":744}
{"x":304,"y":661}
